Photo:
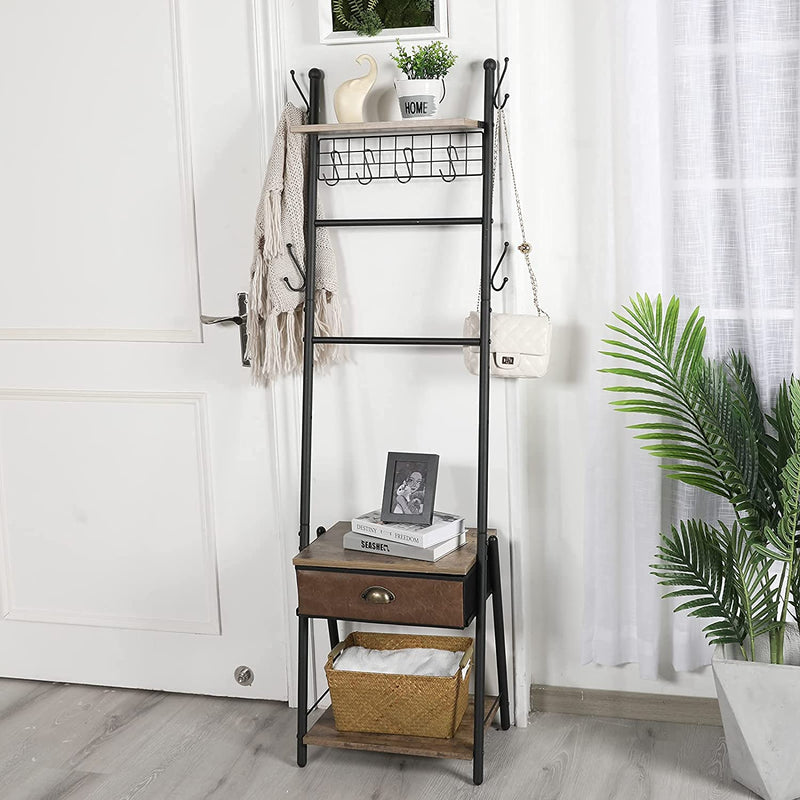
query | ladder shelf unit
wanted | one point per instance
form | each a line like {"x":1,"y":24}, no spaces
{"x":327,"y":574}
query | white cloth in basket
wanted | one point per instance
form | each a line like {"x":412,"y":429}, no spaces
{"x":408,"y":661}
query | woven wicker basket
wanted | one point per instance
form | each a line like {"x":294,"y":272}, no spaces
{"x":410,"y":705}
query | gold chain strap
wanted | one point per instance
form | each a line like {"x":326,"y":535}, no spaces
{"x":524,"y":248}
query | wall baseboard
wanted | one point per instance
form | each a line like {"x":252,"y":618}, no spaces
{"x":626,"y":705}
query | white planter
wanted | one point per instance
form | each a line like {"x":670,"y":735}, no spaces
{"x":419,"y":98}
{"x":760,"y":706}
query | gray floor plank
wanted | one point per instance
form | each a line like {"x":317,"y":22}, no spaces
{"x":62,"y":742}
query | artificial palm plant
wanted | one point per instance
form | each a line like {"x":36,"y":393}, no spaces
{"x":710,"y":431}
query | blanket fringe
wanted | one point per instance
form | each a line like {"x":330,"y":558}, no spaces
{"x":275,"y":341}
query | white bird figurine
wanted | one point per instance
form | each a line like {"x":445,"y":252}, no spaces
{"x":348,"y":99}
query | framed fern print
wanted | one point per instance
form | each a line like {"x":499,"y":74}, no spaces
{"x":359,"y":21}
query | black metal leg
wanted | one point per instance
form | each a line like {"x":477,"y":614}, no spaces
{"x":333,"y":632}
{"x":480,"y":668}
{"x":302,"y":689}
{"x":333,"y":625}
{"x":499,"y":630}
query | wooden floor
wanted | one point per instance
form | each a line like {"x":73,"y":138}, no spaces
{"x":62,"y":742}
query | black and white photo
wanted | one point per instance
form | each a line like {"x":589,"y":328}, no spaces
{"x":410,"y":487}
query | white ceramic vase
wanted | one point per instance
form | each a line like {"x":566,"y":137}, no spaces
{"x":419,"y":98}
{"x":760,"y":706}
{"x":348,"y":99}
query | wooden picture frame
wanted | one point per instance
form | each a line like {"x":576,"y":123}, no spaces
{"x":327,"y":35}
{"x":409,"y":489}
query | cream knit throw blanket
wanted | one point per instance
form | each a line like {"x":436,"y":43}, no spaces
{"x":275,"y":312}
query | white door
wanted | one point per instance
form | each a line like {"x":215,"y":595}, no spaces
{"x":137,"y":536}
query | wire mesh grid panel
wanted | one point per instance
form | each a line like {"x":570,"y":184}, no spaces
{"x":405,"y":156}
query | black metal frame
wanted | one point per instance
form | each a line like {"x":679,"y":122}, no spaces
{"x":487,"y":563}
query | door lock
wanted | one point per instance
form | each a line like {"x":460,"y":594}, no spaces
{"x":239,"y":319}
{"x":243,"y":675}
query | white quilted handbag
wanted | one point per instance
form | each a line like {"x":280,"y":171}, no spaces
{"x":519,"y":343}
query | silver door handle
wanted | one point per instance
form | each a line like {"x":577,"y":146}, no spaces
{"x":239,"y":319}
{"x":206,"y":320}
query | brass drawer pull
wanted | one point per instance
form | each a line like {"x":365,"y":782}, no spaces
{"x":378,"y":595}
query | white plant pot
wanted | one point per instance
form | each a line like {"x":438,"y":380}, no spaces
{"x":418,"y":98}
{"x":760,"y":706}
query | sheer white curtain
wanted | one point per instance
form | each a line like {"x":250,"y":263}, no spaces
{"x":737,"y":77}
{"x":693,"y":168}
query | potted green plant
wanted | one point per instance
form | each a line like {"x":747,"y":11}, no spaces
{"x":369,"y":18}
{"x":360,"y":16}
{"x":740,"y":575}
{"x":425,"y":68}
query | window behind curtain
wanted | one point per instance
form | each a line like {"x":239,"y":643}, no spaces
{"x":735,"y":167}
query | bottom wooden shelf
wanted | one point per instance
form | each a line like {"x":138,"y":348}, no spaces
{"x":324,"y":734}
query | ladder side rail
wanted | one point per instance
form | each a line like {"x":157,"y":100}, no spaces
{"x":490,"y":68}
{"x":310,"y":235}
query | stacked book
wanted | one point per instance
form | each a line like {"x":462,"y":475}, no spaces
{"x":424,"y":542}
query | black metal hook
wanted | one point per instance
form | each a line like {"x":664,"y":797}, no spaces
{"x":451,"y":170}
{"x":336,"y":175}
{"x":297,"y":86}
{"x":366,"y":164}
{"x":299,"y":269}
{"x":499,"y":84}
{"x":505,"y":279}
{"x":409,"y":166}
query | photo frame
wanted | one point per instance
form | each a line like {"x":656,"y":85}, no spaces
{"x":330,"y":29}
{"x":409,"y":489}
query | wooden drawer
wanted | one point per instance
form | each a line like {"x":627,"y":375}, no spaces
{"x":332,"y":580}
{"x":417,"y":599}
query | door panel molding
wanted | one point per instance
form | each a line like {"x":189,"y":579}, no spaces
{"x":111,"y":621}
{"x":98,"y":335}
{"x":269,"y":59}
{"x":190,"y":265}
{"x":208,"y":586}
{"x":186,"y":162}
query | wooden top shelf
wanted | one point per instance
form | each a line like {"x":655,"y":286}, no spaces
{"x":400,"y":126}
{"x":327,"y":552}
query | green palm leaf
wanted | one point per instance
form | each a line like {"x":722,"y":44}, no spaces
{"x":728,"y":423}
{"x":710,"y":429}
{"x":749,"y":571}
{"x":782,"y":444}
{"x":781,"y":542}
{"x":665,"y":360}
{"x":749,"y":408}
{"x":693,"y":559}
